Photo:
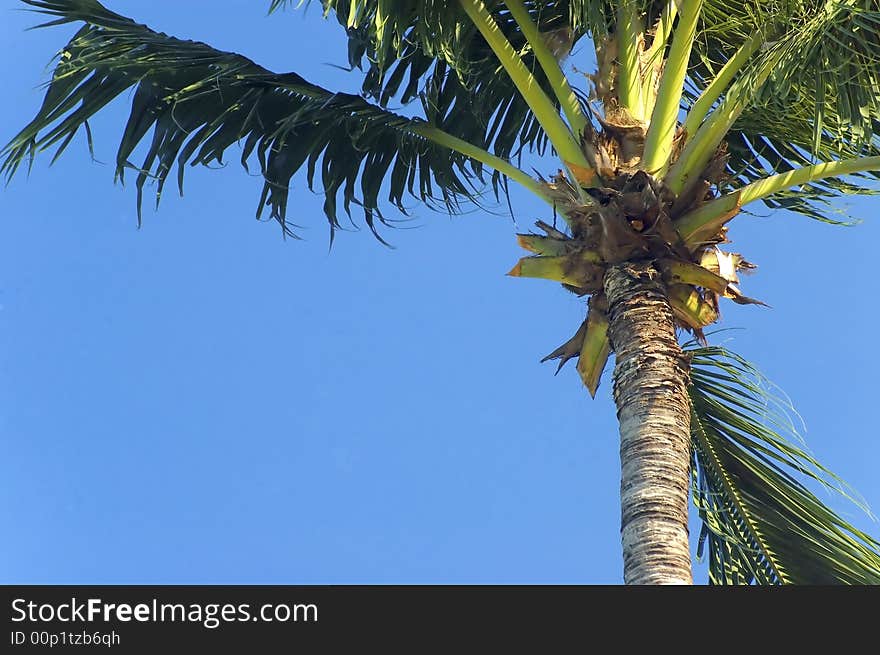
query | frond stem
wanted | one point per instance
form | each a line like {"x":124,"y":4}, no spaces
{"x":567,"y":98}
{"x":663,"y":30}
{"x":732,"y":493}
{"x":700,"y":149}
{"x":629,"y":33}
{"x":653,"y":57}
{"x":704,"y":222}
{"x":658,"y":142}
{"x":720,"y":83}
{"x":557,"y":131}
{"x":468,"y":149}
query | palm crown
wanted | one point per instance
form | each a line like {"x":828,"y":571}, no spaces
{"x":696,"y":108}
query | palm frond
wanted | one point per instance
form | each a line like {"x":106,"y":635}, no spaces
{"x":199,"y":101}
{"x":433,"y":52}
{"x":761,"y":524}
{"x":819,"y":102}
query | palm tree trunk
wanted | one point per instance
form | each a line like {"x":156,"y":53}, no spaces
{"x":650,"y":378}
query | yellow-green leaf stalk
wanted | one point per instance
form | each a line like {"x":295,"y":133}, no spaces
{"x":663,"y":31}
{"x":720,"y":83}
{"x":578,"y":269}
{"x":564,"y":93}
{"x":630,"y":31}
{"x":658,"y":142}
{"x":703,"y":223}
{"x":542,"y":245}
{"x":690,"y":308}
{"x":680,"y":272}
{"x":557,"y":131}
{"x":653,"y":58}
{"x":594,"y":352}
{"x":701,"y":147}
{"x":503,"y":166}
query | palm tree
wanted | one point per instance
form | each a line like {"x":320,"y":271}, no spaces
{"x":696,"y":109}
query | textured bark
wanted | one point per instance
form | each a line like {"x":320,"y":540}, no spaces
{"x":650,"y":378}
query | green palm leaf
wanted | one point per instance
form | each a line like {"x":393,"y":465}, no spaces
{"x":760,"y":523}
{"x":432,"y":51}
{"x":819,"y":101}
{"x":199,"y":101}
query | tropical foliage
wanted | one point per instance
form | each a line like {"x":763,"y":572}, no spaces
{"x":696,"y":108}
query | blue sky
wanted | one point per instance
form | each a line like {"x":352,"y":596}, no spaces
{"x":200,"y":401}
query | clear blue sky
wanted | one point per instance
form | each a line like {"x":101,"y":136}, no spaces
{"x":199,"y":401}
